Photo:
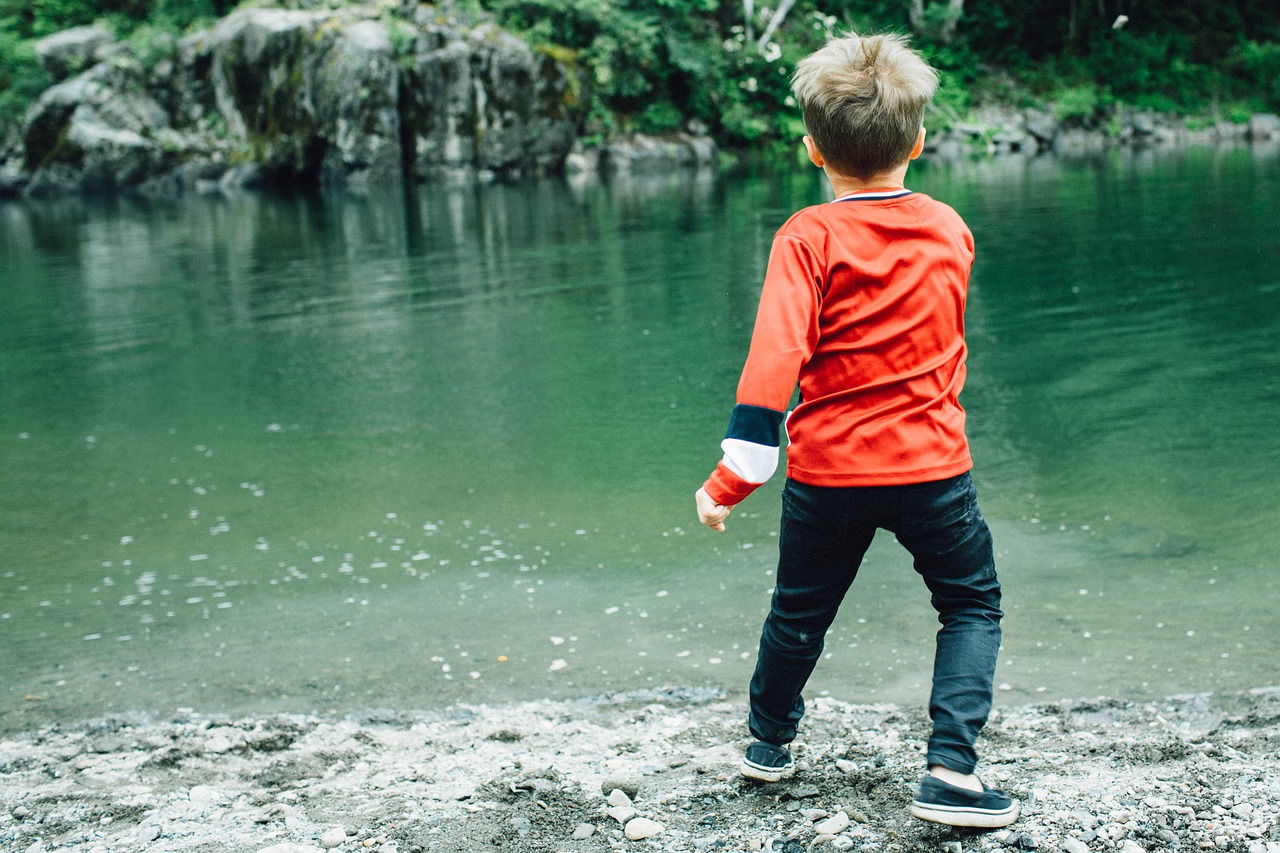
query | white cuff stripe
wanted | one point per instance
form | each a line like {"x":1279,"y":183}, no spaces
{"x":754,"y":463}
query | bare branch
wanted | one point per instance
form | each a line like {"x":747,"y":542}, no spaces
{"x":779,"y":16}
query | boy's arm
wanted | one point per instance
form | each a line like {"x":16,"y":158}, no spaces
{"x":786,"y":332}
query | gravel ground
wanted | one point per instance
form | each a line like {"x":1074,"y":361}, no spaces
{"x":642,"y":771}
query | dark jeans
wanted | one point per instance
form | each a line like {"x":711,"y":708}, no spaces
{"x":825,"y":533}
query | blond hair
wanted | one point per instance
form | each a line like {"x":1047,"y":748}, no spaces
{"x":863,"y":99}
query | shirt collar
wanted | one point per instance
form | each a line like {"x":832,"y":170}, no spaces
{"x":872,"y":195}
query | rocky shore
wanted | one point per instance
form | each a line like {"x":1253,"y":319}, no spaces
{"x":643,"y":771}
{"x":300,"y":97}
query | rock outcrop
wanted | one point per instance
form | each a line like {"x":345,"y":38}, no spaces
{"x":297,"y":97}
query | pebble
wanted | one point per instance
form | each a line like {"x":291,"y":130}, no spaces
{"x":217,"y":744}
{"x":621,"y":814}
{"x":640,"y":828}
{"x":833,"y":825}
{"x":1083,"y":802}
{"x":628,"y":785}
{"x":204,"y":795}
{"x":332,"y":837}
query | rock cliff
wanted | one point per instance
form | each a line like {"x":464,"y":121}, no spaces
{"x":297,"y":97}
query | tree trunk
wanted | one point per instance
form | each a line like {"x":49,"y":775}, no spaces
{"x":955,"y":11}
{"x":776,"y":21}
{"x":943,"y":32}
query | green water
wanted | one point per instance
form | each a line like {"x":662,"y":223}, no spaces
{"x":439,"y":444}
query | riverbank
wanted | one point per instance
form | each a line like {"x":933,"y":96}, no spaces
{"x":365,"y":95}
{"x":653,"y":770}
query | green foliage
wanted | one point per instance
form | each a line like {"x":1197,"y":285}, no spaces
{"x":1078,"y":105}
{"x":21,"y":77}
{"x":1257,"y":66}
{"x":659,"y":117}
{"x":404,"y":39}
{"x":151,"y":43}
{"x":620,"y":47}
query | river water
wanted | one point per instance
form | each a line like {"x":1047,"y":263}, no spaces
{"x":439,"y":444}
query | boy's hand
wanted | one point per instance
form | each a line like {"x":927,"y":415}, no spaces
{"x":711,"y":513}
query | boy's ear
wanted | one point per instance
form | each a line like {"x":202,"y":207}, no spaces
{"x":815,"y":156}
{"x":919,"y":146}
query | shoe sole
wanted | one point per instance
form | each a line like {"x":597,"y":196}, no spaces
{"x":962,"y":816}
{"x":766,"y":774}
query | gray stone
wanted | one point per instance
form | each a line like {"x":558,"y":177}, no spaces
{"x":1077,"y":142}
{"x":640,"y":828}
{"x":833,"y":825}
{"x":645,"y":153}
{"x":1042,"y":125}
{"x":67,"y":53}
{"x":628,"y":785}
{"x":621,"y":814}
{"x":483,"y":100}
{"x":332,"y":837}
{"x":1264,"y":126}
{"x":95,"y":131}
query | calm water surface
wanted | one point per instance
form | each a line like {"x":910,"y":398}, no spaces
{"x":439,"y":445}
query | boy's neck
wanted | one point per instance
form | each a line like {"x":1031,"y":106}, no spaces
{"x":843,"y":185}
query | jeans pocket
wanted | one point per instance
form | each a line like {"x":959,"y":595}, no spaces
{"x":944,"y":519}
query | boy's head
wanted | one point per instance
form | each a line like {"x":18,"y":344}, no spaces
{"x":863,"y":101}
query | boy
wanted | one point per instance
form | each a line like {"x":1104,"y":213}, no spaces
{"x":863,"y":306}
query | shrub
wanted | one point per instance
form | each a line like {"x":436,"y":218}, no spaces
{"x":21,"y":77}
{"x":1078,"y":104}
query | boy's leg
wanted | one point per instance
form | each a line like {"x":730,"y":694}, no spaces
{"x":945,"y":532}
{"x":820,"y":546}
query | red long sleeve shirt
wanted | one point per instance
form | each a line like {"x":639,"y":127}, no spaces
{"x":862,"y":306}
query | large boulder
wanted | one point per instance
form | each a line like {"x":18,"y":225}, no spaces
{"x":358,"y":103}
{"x":310,"y":96}
{"x":262,"y":73}
{"x":299,"y":97}
{"x":100,"y":130}
{"x":69,"y":52}
{"x":484,"y":100}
